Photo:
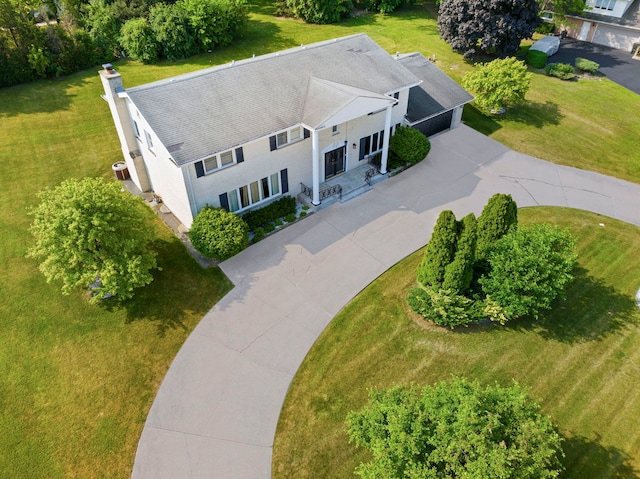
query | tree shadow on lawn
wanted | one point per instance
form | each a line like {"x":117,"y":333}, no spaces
{"x":180,"y":291}
{"x":535,"y":114}
{"x":592,"y":311}
{"x":589,"y":458}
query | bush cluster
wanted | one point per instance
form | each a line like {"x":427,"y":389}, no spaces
{"x":564,"y":71}
{"x":490,"y":268}
{"x":408,"y":145}
{"x":546,"y":28}
{"x":218,"y":234}
{"x":271,"y":213}
{"x":536,"y":58}
{"x":586,"y":65}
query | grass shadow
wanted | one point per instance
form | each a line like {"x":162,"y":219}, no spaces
{"x":180,"y":290}
{"x":592,"y":311}
{"x":477,"y":120}
{"x":589,"y":458}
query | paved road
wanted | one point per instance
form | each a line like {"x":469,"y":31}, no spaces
{"x":617,"y":65}
{"x":216,"y":412}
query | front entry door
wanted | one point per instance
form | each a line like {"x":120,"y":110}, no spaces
{"x":334,"y":162}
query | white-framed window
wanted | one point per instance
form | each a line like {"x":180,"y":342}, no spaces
{"x":605,"y":4}
{"x":136,"y":130}
{"x":147,"y":137}
{"x":219,"y":160}
{"x":287,"y":137}
{"x":254,"y":193}
{"x":335,"y":129}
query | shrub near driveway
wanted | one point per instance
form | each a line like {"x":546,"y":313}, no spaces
{"x":218,"y":234}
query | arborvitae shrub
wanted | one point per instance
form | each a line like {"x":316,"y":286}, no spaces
{"x":536,"y":58}
{"x":459,"y":273}
{"x":564,"y":71}
{"x":218,"y":234}
{"x":409,"y":145}
{"x":586,"y":65}
{"x":439,"y":252}
{"x":499,"y":215}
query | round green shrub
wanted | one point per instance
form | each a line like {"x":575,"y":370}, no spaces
{"x":409,"y":145}
{"x":218,"y":234}
{"x":564,"y":71}
{"x":586,"y":65}
{"x":258,"y":235}
{"x":536,"y":58}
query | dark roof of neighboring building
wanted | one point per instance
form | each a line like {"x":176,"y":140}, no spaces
{"x":437,"y":92}
{"x":213,"y":110}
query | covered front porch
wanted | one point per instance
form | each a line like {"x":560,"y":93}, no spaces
{"x":342,"y":187}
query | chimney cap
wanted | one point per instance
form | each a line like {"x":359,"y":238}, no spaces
{"x":108,"y":67}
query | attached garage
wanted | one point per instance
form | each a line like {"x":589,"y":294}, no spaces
{"x":615,"y":37}
{"x":436,"y":104}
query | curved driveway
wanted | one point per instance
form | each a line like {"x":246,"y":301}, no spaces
{"x":216,"y":412}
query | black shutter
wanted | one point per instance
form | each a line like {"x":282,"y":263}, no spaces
{"x":199,"y":169}
{"x":224,"y":201}
{"x":239,"y":155}
{"x":272,"y":143}
{"x":284,"y":179}
{"x":381,"y":139}
{"x":363,"y":142}
{"x":307,"y":133}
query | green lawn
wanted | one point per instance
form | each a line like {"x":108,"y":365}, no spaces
{"x":77,"y":380}
{"x":581,"y":361}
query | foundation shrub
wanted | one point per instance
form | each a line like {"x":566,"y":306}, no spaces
{"x":408,"y":145}
{"x":270,"y":213}
{"x":218,"y":234}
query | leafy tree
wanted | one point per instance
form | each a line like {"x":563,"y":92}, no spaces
{"x":440,"y":251}
{"x":499,"y":83}
{"x":409,"y":145}
{"x":138,"y":40}
{"x":320,"y":11}
{"x":214,"y":22}
{"x":459,"y":273}
{"x":499,"y":215}
{"x":455,"y":429}
{"x":562,"y":8}
{"x":172,"y":30}
{"x":383,"y":6}
{"x":89,"y":229}
{"x":218,"y":234}
{"x":494,"y":25}
{"x":529,"y":267}
{"x":103,"y":21}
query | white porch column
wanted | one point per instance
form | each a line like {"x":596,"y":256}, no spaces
{"x":316,"y":168}
{"x":385,"y":140}
{"x":456,"y":118}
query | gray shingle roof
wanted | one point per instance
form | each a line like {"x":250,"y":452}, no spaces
{"x":437,"y":92}
{"x":213,"y":110}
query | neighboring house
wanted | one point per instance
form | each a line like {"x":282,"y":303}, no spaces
{"x":241,"y":134}
{"x":612,"y":23}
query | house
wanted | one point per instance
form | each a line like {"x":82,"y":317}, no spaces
{"x":612,"y":23}
{"x":242,"y":134}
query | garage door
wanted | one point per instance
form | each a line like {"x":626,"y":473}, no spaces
{"x":615,"y":37}
{"x":436,"y":124}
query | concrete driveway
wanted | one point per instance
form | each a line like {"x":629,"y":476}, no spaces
{"x":617,"y":65}
{"x":216,"y":412}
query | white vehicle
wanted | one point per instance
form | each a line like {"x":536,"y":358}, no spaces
{"x":548,"y":45}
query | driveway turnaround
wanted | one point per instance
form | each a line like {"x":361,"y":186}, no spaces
{"x":216,"y":412}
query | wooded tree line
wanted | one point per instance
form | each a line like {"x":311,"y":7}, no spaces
{"x":59,"y":37}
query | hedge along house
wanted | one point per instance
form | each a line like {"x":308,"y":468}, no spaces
{"x":242,"y":134}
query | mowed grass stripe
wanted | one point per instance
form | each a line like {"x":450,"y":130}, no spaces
{"x":573,"y":361}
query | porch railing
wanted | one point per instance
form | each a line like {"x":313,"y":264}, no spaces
{"x":324,"y":193}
